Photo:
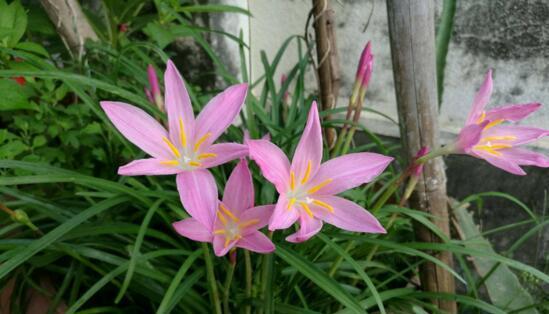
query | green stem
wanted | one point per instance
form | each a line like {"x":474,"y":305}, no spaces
{"x":248,"y":272}
{"x":227,"y":290}
{"x":266,"y":281}
{"x":339,"y":259}
{"x":444,"y":33}
{"x":214,"y":294}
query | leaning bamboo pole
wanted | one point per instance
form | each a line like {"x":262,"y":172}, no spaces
{"x":412,"y":38}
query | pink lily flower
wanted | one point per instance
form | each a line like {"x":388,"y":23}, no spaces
{"x":187,"y":149}
{"x":307,"y":188}
{"x":485,"y":137}
{"x":234,"y":222}
{"x":154,"y":94}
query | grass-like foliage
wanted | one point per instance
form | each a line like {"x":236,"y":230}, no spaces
{"x":90,"y":241}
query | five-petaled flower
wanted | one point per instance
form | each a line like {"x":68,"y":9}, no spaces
{"x":307,"y":188}
{"x":484,"y":136}
{"x":232,"y":222}
{"x":188,"y":146}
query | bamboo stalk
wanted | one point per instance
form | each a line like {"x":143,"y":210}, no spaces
{"x":412,"y":38}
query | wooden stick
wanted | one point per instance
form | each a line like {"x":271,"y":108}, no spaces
{"x":71,"y":23}
{"x":412,"y":38}
{"x":328,"y":69}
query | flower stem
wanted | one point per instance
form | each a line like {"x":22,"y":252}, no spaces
{"x":227,"y":289}
{"x":214,"y":294}
{"x":339,"y":259}
{"x":266,"y":281}
{"x":248,"y":273}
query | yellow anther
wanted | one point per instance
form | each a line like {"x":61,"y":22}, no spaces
{"x":228,"y":213}
{"x":307,"y":173}
{"x":481,"y":118}
{"x":182,"y":134}
{"x":292,"y":180}
{"x":194,"y":164}
{"x":317,"y":187}
{"x":172,"y":147}
{"x":291,"y":203}
{"x":222,"y":218}
{"x":306,"y":208}
{"x":201,"y":140}
{"x":493,"y":124}
{"x":324,"y":205}
{"x":227,"y":241}
{"x":248,"y":223}
{"x":498,"y":138}
{"x":496,"y":146}
{"x":169,"y":162}
{"x":219,"y":231}
{"x":206,"y":155}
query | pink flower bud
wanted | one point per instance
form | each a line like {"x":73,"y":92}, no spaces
{"x":154,"y":92}
{"x":364,"y":70}
{"x":417,"y":169}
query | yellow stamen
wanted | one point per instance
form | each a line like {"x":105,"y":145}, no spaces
{"x":228,"y":213}
{"x":498,"y":138}
{"x":206,"y":155}
{"x":227,"y":241}
{"x":307,"y":173}
{"x":174,"y":149}
{"x":201,"y":140}
{"x":292,"y":180}
{"x":306,"y":208}
{"x":219,"y":231}
{"x":169,"y":162}
{"x":182,"y":134}
{"x":319,"y":186}
{"x":324,"y":205}
{"x":194,"y":164}
{"x":291,"y":203}
{"x":222,"y":218}
{"x":496,"y":146}
{"x":481,"y":118}
{"x":248,"y":223}
{"x":493,"y":124}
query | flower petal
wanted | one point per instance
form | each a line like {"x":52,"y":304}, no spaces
{"x":239,"y":190}
{"x":501,"y":162}
{"x":192,"y":229}
{"x":224,"y":152}
{"x":147,"y":167}
{"x":178,"y":104}
{"x":308,"y":227}
{"x":256,"y":242}
{"x":219,"y":245}
{"x":481,"y":99}
{"x":282,"y":217}
{"x":272,"y":161}
{"x":220,"y":112}
{"x":309,"y":148}
{"x":522,"y":134}
{"x":261,"y":213}
{"x":525,"y":157}
{"x":348,"y":215}
{"x":469,"y":137}
{"x":198,"y":194}
{"x":138,"y":127}
{"x":349,"y":171}
{"x":512,"y":112}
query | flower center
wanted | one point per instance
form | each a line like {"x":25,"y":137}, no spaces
{"x":303,"y":195}
{"x":232,"y":226}
{"x":184,"y":157}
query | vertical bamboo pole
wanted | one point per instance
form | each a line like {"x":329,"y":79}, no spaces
{"x":327,"y":67}
{"x":412,"y":38}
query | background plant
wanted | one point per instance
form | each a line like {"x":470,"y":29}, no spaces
{"x":105,"y":243}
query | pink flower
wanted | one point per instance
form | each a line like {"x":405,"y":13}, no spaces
{"x":484,"y":136}
{"x":365,"y":66}
{"x":233,"y":222}
{"x":187,"y":149}
{"x":307,"y":188}
{"x":154,"y":94}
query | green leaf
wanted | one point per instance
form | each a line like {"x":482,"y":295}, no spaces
{"x":214,"y":8}
{"x":23,"y":253}
{"x":33,"y":47}
{"x":13,"y":23}
{"x":14,"y":96}
{"x":502,"y":285}
{"x":319,"y":277}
